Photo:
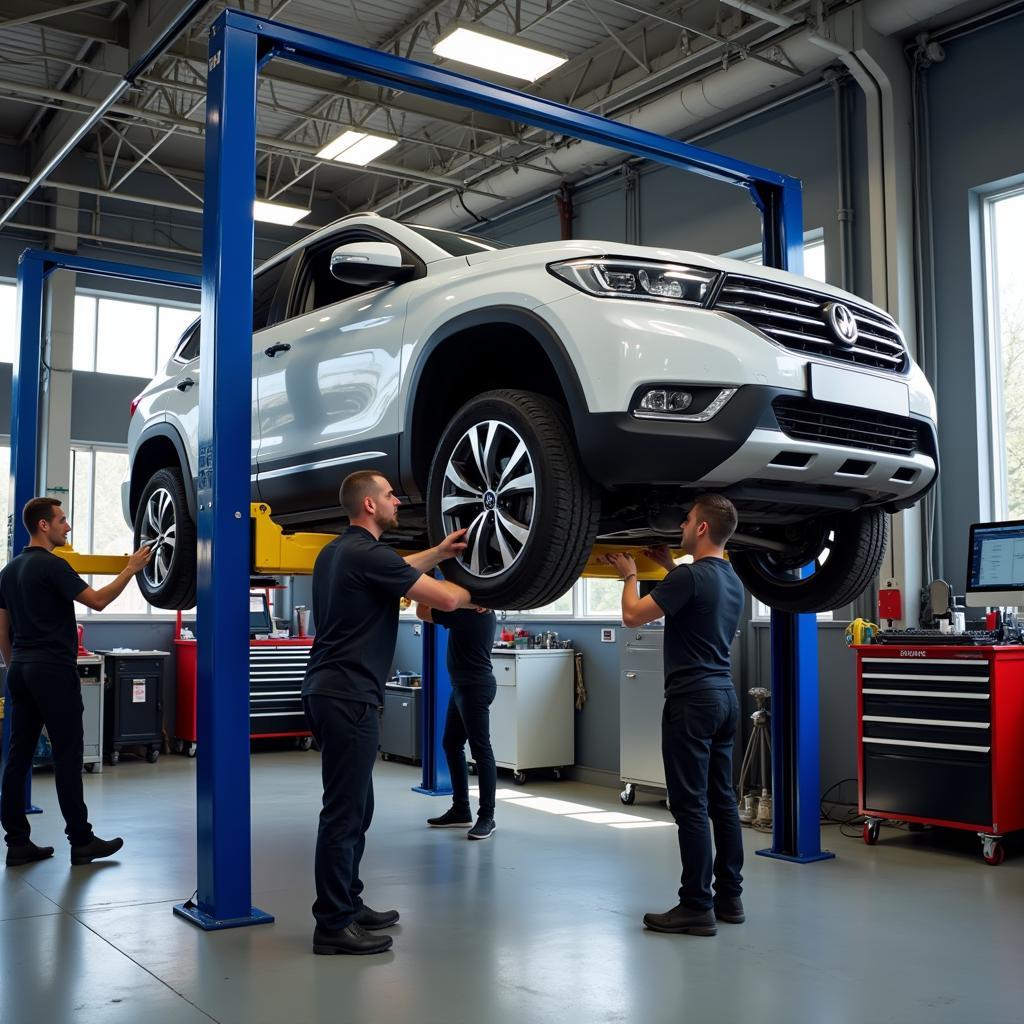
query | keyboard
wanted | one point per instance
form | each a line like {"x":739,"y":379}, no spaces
{"x":935,"y":638}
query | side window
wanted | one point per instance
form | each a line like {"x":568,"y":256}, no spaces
{"x":190,"y":349}
{"x":264,"y":288}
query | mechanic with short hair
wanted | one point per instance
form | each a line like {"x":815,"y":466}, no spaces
{"x":701,"y":604}
{"x":470,"y":639}
{"x":39,"y":644}
{"x":357,"y":584}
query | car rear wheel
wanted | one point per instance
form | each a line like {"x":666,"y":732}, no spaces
{"x":846,"y":553}
{"x":506,"y":469}
{"x":163,"y":523}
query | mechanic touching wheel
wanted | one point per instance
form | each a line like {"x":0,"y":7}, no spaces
{"x":701,"y":604}
{"x":357,"y":584}
{"x":39,"y":647}
{"x":470,"y":639}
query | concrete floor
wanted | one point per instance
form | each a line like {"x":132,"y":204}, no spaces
{"x":541,"y":923}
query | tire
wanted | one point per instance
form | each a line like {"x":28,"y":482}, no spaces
{"x":853,"y":545}
{"x":163,"y":518}
{"x":870,"y":832}
{"x":519,"y":778}
{"x":995,"y":854}
{"x":528,"y":543}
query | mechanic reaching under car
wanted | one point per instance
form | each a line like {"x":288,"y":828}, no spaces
{"x":701,"y":604}
{"x":470,"y":639}
{"x":357,"y":584}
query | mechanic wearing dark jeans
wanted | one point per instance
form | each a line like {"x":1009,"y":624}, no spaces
{"x":357,"y":584}
{"x":39,"y":644}
{"x":701,"y":604}
{"x":470,"y":639}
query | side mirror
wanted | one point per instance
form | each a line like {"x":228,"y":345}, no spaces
{"x":367,"y":263}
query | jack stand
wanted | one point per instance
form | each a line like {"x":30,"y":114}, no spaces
{"x":759,"y":751}
{"x":437,"y":688}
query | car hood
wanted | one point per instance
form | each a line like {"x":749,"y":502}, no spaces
{"x":551,"y":252}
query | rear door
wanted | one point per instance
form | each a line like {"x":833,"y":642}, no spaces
{"x":327,"y":381}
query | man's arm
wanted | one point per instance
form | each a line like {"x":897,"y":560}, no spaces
{"x":5,"y":636}
{"x":97,"y":600}
{"x":427,"y":560}
{"x":636,"y":610}
{"x":424,"y":612}
{"x":440,"y":594}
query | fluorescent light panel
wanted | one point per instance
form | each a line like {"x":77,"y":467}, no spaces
{"x":277,"y":213}
{"x":495,"y":52}
{"x":356,"y":148}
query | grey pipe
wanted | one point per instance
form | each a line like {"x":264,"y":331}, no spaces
{"x":169,"y":34}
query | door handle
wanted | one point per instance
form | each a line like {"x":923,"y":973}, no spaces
{"x":184,"y":385}
{"x":631,"y":675}
{"x":281,"y":346}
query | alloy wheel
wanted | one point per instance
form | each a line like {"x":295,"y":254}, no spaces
{"x":159,"y":532}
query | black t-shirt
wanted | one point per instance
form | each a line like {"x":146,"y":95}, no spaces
{"x":357,"y":582}
{"x":702,"y":604}
{"x":470,"y":639}
{"x":38,"y":589}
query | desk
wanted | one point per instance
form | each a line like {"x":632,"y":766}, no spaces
{"x":941,"y":739}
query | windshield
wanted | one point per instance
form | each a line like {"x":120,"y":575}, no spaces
{"x":457,"y":244}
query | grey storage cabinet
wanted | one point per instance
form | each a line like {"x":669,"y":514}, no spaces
{"x":133,"y":709}
{"x":401,"y":728}
{"x":532,"y":721}
{"x":90,"y":671}
{"x":641,"y":699}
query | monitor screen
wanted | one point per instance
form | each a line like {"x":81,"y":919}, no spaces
{"x":259,"y":614}
{"x":995,"y":564}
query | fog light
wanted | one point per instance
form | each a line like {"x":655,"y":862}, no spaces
{"x":666,"y":401}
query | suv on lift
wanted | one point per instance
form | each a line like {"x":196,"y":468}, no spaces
{"x":549,"y":396}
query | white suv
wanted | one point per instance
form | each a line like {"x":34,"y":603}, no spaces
{"x":550,"y":396}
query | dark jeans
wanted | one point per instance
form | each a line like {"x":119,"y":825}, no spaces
{"x":348,"y":733}
{"x":49,"y":695}
{"x":697,"y":735}
{"x":469,"y":718}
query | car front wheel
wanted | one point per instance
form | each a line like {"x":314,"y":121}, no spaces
{"x":846,"y":555}
{"x":163,"y":523}
{"x":507,"y":471}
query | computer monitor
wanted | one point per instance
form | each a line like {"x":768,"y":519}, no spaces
{"x":995,"y":564}
{"x":259,"y":613}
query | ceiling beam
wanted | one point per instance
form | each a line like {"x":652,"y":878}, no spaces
{"x":60,"y":17}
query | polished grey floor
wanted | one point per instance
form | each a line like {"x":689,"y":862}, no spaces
{"x":541,"y":923}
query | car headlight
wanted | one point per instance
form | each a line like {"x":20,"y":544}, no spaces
{"x":624,"y":278}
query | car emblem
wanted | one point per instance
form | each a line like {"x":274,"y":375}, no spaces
{"x":490,"y":500}
{"x":842,"y":323}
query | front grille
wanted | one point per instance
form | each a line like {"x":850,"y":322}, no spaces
{"x":797,"y":318}
{"x":824,"y":422}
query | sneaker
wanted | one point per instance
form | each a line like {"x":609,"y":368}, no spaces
{"x":451,"y":818}
{"x":26,"y":853}
{"x":730,"y":909}
{"x":95,"y":849}
{"x":372,"y":920}
{"x":353,"y":940}
{"x":483,"y":829}
{"x":683,"y":919}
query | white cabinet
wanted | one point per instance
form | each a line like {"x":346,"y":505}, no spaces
{"x":532,"y":714}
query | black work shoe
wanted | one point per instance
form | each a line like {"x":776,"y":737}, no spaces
{"x":371,"y":920}
{"x":27,"y":853}
{"x":451,"y":818}
{"x":483,"y":829}
{"x":730,"y":909}
{"x":683,"y":919}
{"x":95,"y":849}
{"x":353,"y":941}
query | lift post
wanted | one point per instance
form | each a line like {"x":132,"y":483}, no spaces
{"x":34,"y":267}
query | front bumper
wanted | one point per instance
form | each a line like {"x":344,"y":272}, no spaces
{"x":743,"y":450}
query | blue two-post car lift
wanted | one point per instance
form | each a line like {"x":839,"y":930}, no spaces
{"x":240,"y":45}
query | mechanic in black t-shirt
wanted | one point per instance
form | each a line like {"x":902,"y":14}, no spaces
{"x":39,"y":644}
{"x":470,"y":639}
{"x":701,"y":604}
{"x":357,"y":584}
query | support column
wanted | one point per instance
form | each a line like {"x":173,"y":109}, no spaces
{"x":437,"y":688}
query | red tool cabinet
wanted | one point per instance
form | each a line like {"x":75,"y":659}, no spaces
{"x":941,"y":739}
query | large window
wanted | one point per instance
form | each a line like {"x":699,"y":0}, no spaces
{"x":814,"y":255}
{"x":126,"y":336}
{"x":8,"y":313}
{"x":1004,"y":222}
{"x":97,"y":524}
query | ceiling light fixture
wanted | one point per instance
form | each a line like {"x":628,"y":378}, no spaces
{"x":356,"y":148}
{"x":483,"y":48}
{"x":277,"y":213}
